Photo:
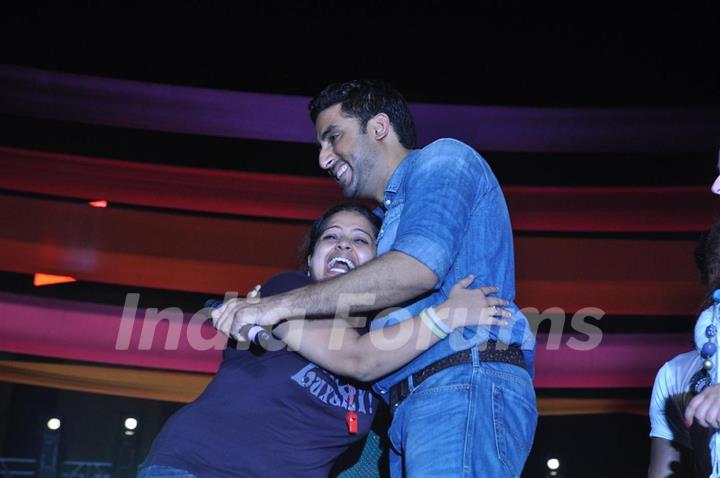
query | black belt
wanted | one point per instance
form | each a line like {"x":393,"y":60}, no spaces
{"x":489,"y":351}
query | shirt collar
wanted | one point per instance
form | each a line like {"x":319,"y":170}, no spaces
{"x":397,"y":177}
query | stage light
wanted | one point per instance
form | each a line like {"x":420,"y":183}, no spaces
{"x":127,"y":446}
{"x":131,"y":423}
{"x":99,"y":203}
{"x":40,"y":279}
{"x":553,"y":465}
{"x":53,"y":424}
{"x":50,"y":450}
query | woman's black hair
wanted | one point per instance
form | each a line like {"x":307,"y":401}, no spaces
{"x":317,"y":228}
{"x":707,"y":260}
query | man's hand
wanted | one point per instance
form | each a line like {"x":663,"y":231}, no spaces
{"x":705,"y":408}
{"x":251,"y":310}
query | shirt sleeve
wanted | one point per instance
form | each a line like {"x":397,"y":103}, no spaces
{"x":440,"y":193}
{"x":666,"y":420}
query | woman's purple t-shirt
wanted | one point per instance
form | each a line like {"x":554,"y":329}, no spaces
{"x":265,"y":413}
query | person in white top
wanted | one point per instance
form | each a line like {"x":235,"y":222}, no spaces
{"x":676,"y":449}
{"x":682,"y":422}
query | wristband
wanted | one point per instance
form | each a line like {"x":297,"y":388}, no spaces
{"x":430,"y":324}
{"x":435,"y":318}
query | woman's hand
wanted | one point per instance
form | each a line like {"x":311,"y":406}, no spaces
{"x":470,"y":307}
{"x":254,"y":295}
{"x":704,"y":408}
{"x":224,"y":317}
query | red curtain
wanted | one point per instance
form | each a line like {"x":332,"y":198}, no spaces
{"x":548,"y":209}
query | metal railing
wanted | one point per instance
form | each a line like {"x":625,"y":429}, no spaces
{"x":13,"y":467}
{"x":86,"y":469}
{"x":27,"y":467}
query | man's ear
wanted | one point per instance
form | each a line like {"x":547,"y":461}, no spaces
{"x":379,"y":126}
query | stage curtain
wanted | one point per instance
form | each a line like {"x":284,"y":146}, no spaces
{"x":623,"y":275}
{"x":536,"y":209}
{"x":185,"y":387}
{"x":272,"y":117}
{"x":99,"y":333}
{"x":126,"y":382}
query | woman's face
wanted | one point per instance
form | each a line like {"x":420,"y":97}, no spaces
{"x":346,"y":242}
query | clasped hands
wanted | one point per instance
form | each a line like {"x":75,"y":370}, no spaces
{"x":464,"y":307}
{"x":251,"y":310}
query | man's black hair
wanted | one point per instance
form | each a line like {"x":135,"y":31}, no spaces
{"x":363,"y":99}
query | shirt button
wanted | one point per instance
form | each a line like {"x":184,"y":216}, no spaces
{"x":388,"y":202}
{"x":383,"y":392}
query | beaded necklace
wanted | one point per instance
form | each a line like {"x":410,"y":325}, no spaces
{"x":706,"y":332}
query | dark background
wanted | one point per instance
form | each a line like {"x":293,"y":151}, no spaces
{"x":592,"y":54}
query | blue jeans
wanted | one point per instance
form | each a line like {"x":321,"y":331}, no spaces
{"x":475,"y":419}
{"x":158,"y":471}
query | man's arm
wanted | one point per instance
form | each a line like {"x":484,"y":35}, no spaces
{"x":336,"y":346}
{"x":392,"y":278}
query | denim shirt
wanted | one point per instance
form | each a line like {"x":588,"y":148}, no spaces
{"x":444,"y":207}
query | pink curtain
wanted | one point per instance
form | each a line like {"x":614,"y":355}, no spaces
{"x":98,"y":333}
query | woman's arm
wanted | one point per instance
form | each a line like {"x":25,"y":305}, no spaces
{"x":668,"y":458}
{"x":336,"y":346}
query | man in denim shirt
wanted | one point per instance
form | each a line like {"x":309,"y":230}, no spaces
{"x":466,"y":407}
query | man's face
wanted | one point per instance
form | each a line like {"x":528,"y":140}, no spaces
{"x":716,"y":185}
{"x":347,"y":153}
